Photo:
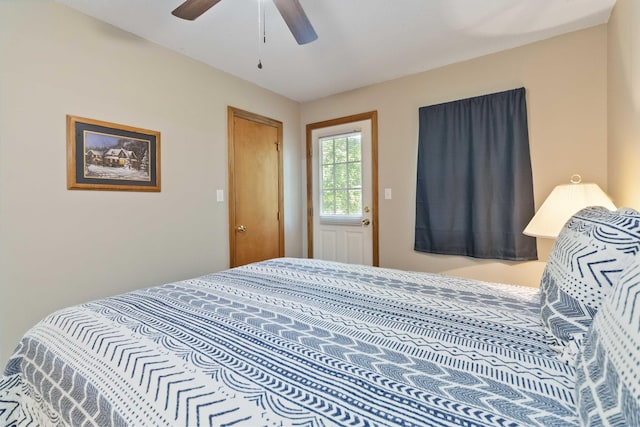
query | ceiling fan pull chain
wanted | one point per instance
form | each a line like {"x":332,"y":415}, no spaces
{"x":260,"y":30}
{"x":264,"y":24}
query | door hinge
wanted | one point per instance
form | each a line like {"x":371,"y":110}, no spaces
{"x":278,"y":215}
{"x":277,"y":146}
{"x":310,"y":211}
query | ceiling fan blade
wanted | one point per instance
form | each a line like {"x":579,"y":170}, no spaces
{"x":296,"y":20}
{"x":191,"y":9}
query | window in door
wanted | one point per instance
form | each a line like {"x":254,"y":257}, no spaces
{"x":341,"y":177}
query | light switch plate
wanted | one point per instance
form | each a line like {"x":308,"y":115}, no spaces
{"x":220,"y":195}
{"x":387,"y":193}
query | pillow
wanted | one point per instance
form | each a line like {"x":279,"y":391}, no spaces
{"x":608,"y":371}
{"x":587,"y":259}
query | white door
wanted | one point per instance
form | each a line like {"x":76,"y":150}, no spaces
{"x":342,"y":196}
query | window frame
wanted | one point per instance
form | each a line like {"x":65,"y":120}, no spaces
{"x":339,"y":219}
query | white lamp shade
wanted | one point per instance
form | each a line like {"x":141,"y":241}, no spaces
{"x":564,"y":201}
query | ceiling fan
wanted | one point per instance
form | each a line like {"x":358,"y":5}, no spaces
{"x":291,"y":12}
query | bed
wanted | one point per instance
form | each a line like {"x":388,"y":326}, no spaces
{"x":298,"y":342}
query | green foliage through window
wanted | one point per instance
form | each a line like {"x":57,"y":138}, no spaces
{"x":341,"y":175}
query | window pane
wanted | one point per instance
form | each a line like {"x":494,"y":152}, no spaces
{"x":341,"y":176}
{"x":341,"y":149}
{"x":328,"y":203}
{"x":328,"y":182}
{"x":327,"y":151}
{"x":355,"y":176}
{"x":355,"y":202}
{"x":342,"y":202}
{"x":355,"y":148}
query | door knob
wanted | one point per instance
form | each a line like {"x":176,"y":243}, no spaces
{"x":366,"y":221}
{"x":241,"y":229}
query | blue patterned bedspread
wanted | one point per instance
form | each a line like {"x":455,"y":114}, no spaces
{"x":291,"y":342}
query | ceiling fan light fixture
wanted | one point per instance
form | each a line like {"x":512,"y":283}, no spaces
{"x":290,"y":10}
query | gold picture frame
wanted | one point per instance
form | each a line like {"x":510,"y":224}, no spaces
{"x":110,"y":156}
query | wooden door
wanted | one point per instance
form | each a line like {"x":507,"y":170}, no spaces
{"x":256,"y":223}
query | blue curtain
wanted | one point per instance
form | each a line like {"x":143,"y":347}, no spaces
{"x":474,"y":192}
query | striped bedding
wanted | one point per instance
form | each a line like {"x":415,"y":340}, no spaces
{"x":294,"y":342}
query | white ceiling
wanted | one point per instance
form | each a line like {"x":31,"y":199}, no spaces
{"x":360,"y":42}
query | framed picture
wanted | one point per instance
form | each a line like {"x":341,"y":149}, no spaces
{"x":109,"y":156}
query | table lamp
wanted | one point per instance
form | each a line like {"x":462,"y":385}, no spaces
{"x":564,"y":201}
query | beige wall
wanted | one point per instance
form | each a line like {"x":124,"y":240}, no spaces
{"x":60,"y":247}
{"x":624,"y":103}
{"x":566,"y":84}
{"x":55,"y":247}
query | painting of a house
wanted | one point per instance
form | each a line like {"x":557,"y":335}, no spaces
{"x":119,"y":157}
{"x":114,"y":157}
